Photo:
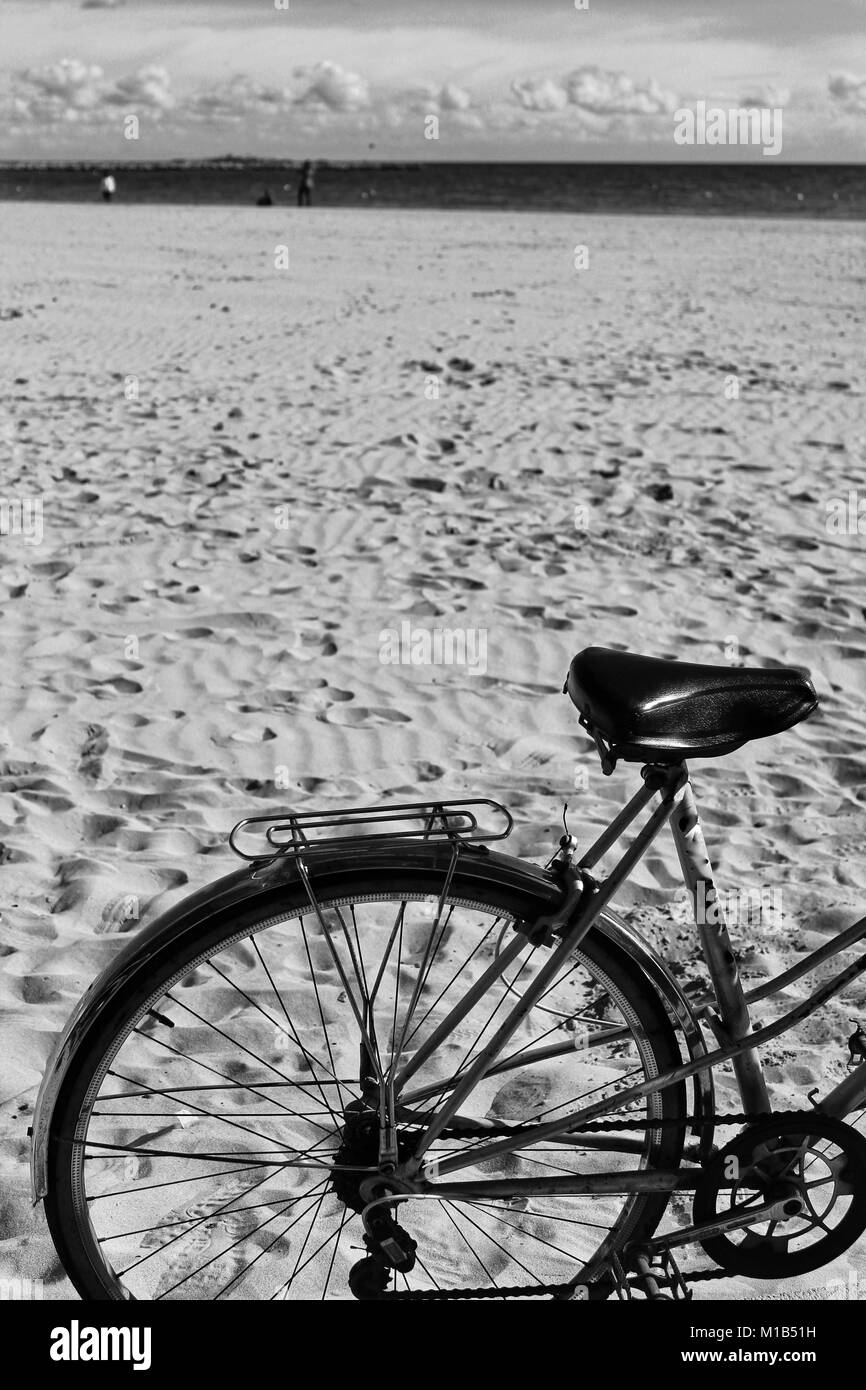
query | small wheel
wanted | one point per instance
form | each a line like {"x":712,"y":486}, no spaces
{"x":815,"y":1157}
{"x":369,"y":1278}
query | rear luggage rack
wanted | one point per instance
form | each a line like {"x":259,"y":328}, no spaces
{"x":288,"y":834}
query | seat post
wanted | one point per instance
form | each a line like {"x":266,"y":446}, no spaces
{"x":733,"y":1022}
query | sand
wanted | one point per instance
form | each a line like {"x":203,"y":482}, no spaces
{"x":262,"y":440}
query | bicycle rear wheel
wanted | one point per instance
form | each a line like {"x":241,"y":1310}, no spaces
{"x":203,"y":1146}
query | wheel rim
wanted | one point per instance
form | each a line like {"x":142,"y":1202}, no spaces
{"x":174,"y":1190}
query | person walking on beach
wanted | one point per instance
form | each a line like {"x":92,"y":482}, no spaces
{"x":305,"y":187}
{"x":108,"y":188}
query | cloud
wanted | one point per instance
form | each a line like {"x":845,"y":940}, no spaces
{"x":233,"y":100}
{"x":596,"y":92}
{"x":149,"y":87}
{"x":540,"y":94}
{"x":424,"y":98}
{"x":453,"y":98}
{"x":321,"y":92}
{"x":848,"y":90}
{"x":74,"y":91}
{"x":765,"y":96}
{"x":72,"y":106}
{"x":615,"y":94}
{"x":67,"y":84}
{"x":328,"y":84}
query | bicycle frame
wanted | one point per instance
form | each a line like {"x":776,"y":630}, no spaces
{"x":726,"y":1010}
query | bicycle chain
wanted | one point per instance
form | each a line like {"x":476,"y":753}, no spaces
{"x":542,"y":1290}
{"x":690,"y":1122}
{"x":512,"y":1291}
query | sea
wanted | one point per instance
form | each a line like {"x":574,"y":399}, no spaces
{"x":757,"y":189}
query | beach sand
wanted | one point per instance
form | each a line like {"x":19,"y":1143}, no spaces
{"x":249,"y":472}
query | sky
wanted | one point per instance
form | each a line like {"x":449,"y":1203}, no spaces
{"x":423,"y":79}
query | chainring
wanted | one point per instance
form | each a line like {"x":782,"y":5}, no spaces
{"x":821,"y":1159}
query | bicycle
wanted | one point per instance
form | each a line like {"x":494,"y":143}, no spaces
{"x":385,"y":1061}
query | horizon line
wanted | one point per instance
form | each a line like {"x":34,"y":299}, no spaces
{"x":338,"y":161}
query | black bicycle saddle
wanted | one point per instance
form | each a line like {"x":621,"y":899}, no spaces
{"x":651,"y":710}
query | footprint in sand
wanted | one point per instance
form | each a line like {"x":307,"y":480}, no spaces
{"x":522,"y":1095}
{"x":427,"y":772}
{"x":361,"y":717}
{"x":114,"y":685}
{"x":100,"y":826}
{"x":429,"y":449}
{"x":309,"y":646}
{"x":427,"y":484}
{"x":48,"y":795}
{"x":313,"y":784}
{"x":92,"y":751}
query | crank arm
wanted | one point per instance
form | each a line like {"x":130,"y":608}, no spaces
{"x":780,"y":1210}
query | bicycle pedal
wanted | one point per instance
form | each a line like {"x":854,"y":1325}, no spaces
{"x":621,"y":1285}
{"x":653,"y":1271}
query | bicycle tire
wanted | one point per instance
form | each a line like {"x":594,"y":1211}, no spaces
{"x":144,"y":986}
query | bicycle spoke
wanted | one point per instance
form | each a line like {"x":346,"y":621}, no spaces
{"x":315,"y":984}
{"x":347,"y":1216}
{"x":168,"y":1047}
{"x":566,"y":1220}
{"x":222,"y":1253}
{"x":540,"y":1239}
{"x":472,"y":1251}
{"x":466,"y":1061}
{"x":222,"y":1034}
{"x":453,"y":980}
{"x":178,"y":1182}
{"x":196,"y":1222}
{"x":212,"y":1115}
{"x":426,"y":964}
{"x":293,"y":1032}
{"x":508,"y":1253}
